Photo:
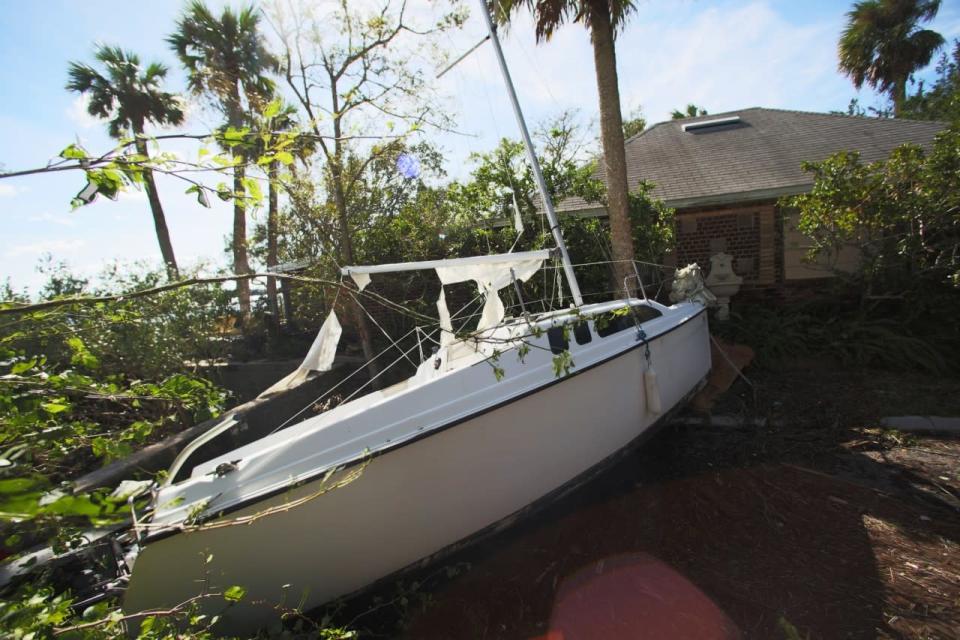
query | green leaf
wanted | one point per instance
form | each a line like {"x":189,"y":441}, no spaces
{"x":80,"y":355}
{"x":562,"y":364}
{"x":20,"y":485}
{"x":73,"y":152}
{"x":285,"y":157}
{"x":233,"y":136}
{"x":55,"y":407}
{"x":272,"y":109}
{"x":252,"y":185}
{"x":234,"y":594}
{"x":24,"y":366}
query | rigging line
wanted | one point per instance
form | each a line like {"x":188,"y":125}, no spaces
{"x":383,"y":371}
{"x":464,"y":55}
{"x":429,"y":336}
{"x":327,"y":393}
{"x":557,"y":289}
{"x":590,"y":264}
{"x":488,"y":100}
{"x":382,"y":330}
{"x":539,"y":76}
{"x":726,"y":357}
{"x":500,"y":136}
{"x":337,"y":294}
{"x":459,"y":78}
{"x":515,"y":241}
{"x":464,"y":307}
{"x":467,"y":318}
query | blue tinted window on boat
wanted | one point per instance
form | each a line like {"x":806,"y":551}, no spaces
{"x":646,"y":313}
{"x":607,"y":326}
{"x":581,"y":333}
{"x":558,"y":341}
{"x":608,"y":323}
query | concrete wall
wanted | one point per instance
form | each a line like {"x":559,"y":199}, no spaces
{"x":795,"y":248}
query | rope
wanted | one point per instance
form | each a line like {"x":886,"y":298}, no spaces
{"x":735,"y":368}
{"x":327,"y":393}
{"x":382,"y":330}
{"x":383,"y":371}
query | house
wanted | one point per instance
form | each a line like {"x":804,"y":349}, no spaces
{"x":723,"y":173}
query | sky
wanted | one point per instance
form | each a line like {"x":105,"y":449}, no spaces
{"x":723,"y":55}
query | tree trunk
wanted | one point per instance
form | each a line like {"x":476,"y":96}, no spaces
{"x":240,"y":263}
{"x":611,"y":137}
{"x":159,"y":220}
{"x":272,"y":231}
{"x":346,"y":240}
{"x":346,"y":255}
{"x":899,"y":96}
{"x":285,"y":289}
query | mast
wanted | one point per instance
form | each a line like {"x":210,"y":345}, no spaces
{"x":532,"y":157}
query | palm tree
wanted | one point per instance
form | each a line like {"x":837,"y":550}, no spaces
{"x":603,"y":18}
{"x":278,"y":118}
{"x":883,"y":45}
{"x":226,"y":60}
{"x":692,"y":111}
{"x":130,"y":96}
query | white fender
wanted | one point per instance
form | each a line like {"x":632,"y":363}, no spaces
{"x":653,"y":391}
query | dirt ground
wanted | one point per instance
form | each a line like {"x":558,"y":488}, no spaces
{"x":808,"y":521}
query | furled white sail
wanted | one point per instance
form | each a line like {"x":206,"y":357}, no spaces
{"x":319,"y":358}
{"x":499,"y":258}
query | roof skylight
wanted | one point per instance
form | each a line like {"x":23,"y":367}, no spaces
{"x":693,"y":127}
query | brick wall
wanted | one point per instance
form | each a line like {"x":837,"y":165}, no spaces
{"x":748,"y":233}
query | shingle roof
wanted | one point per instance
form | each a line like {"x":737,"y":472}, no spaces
{"x":758,"y":157}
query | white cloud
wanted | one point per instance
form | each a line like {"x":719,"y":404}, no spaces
{"x":77,"y":113}
{"x":726,"y":59}
{"x":722,"y":56}
{"x":9,"y":190}
{"x":56,"y":247}
{"x":65,"y":220}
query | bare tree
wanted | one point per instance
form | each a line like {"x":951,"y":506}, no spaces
{"x":356,"y":70}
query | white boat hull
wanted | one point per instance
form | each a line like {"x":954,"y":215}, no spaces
{"x":425,"y":495}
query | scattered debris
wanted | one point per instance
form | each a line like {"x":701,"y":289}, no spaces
{"x":729,"y":360}
{"x":923,"y":424}
{"x":806,"y":514}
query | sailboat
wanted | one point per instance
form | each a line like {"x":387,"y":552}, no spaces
{"x":495,"y":421}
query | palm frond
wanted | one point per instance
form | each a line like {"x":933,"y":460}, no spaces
{"x":224,"y":56}
{"x":882,"y":44}
{"x":126,"y":95}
